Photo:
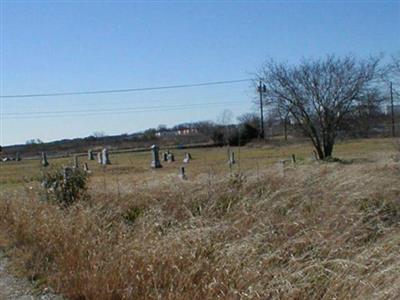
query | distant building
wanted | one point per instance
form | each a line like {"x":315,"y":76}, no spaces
{"x":186,"y":131}
{"x":177,"y":132}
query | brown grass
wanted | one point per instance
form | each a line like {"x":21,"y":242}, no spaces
{"x":310,"y":231}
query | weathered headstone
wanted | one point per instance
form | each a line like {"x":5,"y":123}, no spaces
{"x":282,"y":164}
{"x":182,"y":174}
{"x":44,"y":161}
{"x":99,"y":158}
{"x":105,"y":158}
{"x":76,"y":162}
{"x":187,"y":158}
{"x":165,"y":156}
{"x":90,"y":154}
{"x":293,"y":158}
{"x":155,"y":160}
{"x":17,"y":156}
{"x":86,"y":168}
{"x":232,"y":160}
{"x":171,"y":157}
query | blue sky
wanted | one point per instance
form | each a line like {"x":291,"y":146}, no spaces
{"x":61,"y":46}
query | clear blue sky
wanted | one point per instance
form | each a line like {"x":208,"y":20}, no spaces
{"x":61,"y":46}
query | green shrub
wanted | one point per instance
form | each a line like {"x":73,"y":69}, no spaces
{"x":64,"y":186}
{"x":132,"y":214}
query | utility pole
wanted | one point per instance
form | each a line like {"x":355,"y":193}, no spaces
{"x":392,"y":109}
{"x":261,"y":89}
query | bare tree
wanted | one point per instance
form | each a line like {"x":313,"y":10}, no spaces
{"x":318,"y":93}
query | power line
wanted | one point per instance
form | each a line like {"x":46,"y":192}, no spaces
{"x":128,"y":90}
{"x":119,"y":109}
{"x":84,"y":113}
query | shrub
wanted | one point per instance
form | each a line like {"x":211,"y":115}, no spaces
{"x":64,"y":186}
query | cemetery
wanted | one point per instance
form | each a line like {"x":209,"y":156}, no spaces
{"x":187,"y":217}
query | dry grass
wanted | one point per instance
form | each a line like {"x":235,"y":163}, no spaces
{"x":310,"y":231}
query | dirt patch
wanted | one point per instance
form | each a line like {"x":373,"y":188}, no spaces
{"x":12,"y":288}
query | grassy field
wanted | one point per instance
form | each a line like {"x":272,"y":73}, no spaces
{"x":309,"y":230}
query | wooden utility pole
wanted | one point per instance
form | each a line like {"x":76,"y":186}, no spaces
{"x":261,"y":89}
{"x":392,"y":110}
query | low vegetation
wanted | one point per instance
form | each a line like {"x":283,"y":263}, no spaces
{"x":311,"y":230}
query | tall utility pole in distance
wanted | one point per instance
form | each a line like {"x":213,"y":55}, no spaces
{"x":261,"y":89}
{"x":392,"y":110}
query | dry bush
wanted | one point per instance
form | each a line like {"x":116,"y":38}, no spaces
{"x":326,"y":231}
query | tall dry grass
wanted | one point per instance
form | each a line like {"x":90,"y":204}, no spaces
{"x":323,"y":231}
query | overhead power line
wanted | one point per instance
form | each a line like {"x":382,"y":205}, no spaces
{"x":127,"y":90}
{"x":127,"y":110}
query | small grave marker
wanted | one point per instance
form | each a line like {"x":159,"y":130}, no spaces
{"x":165,"y":156}
{"x":182,"y":174}
{"x":44,"y":161}
{"x":187,"y":158}
{"x":90,"y":154}
{"x":155,"y":159}
{"x":104,"y":157}
{"x":99,"y":158}
{"x":86,"y":168}
{"x":76,"y":162}
{"x":171,"y":157}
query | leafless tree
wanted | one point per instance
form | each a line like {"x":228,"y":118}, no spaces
{"x":318,"y":93}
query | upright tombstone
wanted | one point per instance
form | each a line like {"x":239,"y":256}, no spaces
{"x":17,"y":156}
{"x":86,"y":168}
{"x":182,"y":173}
{"x":76,"y":162}
{"x":293,"y":158}
{"x":187,"y":158}
{"x":232,"y":160}
{"x":99,"y":158}
{"x":155,"y":160}
{"x":90,"y":154}
{"x":171,"y":157}
{"x":165,"y":156}
{"x":282,"y":164}
{"x":105,"y":158}
{"x":44,"y":161}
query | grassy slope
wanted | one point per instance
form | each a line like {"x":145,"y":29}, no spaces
{"x":303,"y":231}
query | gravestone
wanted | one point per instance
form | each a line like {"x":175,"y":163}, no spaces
{"x":282,"y":164}
{"x":76,"y":162}
{"x":171,"y":157}
{"x":44,"y":161}
{"x":232,"y":160}
{"x":86,"y":168}
{"x":187,"y":158}
{"x":293,"y":158}
{"x":104,"y":157}
{"x":165,"y":156}
{"x":17,"y":156}
{"x":90,"y":154}
{"x":99,"y":158}
{"x":155,"y":160}
{"x":182,"y":173}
